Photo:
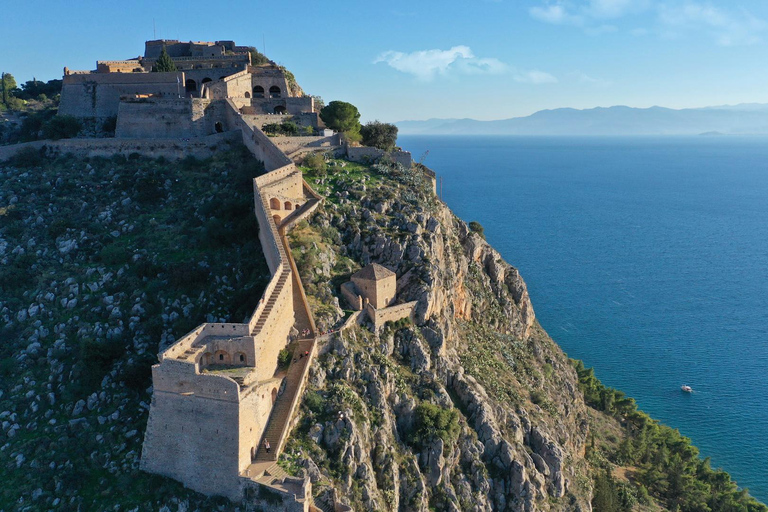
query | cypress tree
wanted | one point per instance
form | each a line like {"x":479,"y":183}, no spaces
{"x":164,"y":63}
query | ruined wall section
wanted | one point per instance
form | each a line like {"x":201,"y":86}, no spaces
{"x":98,"y":95}
{"x":379,"y":317}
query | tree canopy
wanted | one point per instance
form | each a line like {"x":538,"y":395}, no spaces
{"x":257,"y":58}
{"x":164,"y":63}
{"x":342,"y":117}
{"x":379,"y":135}
{"x":7,"y":87}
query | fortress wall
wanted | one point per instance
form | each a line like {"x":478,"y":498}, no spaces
{"x":293,"y":105}
{"x":98,"y":94}
{"x":172,"y":149}
{"x":194,"y":440}
{"x":349,"y":292}
{"x":255,"y":410}
{"x":368,"y":154}
{"x":274,"y":335}
{"x":162,"y":118}
{"x":391,"y":314}
{"x":289,"y":187}
{"x":176,"y":376}
{"x":267,"y":236}
{"x":258,"y":143}
{"x":291,"y":144}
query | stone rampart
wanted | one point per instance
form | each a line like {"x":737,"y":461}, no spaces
{"x":368,"y":155}
{"x":194,"y":440}
{"x":289,"y":145}
{"x":161,"y":118}
{"x":173,"y":149}
{"x":391,"y":314}
{"x":98,"y":95}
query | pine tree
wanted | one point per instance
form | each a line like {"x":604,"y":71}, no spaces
{"x":164,"y":63}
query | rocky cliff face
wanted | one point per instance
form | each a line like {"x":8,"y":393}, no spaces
{"x":473,"y":407}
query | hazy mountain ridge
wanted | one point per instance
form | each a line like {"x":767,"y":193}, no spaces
{"x":748,"y":118}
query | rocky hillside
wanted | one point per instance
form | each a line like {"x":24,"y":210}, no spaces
{"x":473,"y":408}
{"x":102,"y":262}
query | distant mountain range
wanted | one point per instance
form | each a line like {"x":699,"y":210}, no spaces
{"x":746,"y":118}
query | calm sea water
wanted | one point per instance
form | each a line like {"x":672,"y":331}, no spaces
{"x":645,"y":257}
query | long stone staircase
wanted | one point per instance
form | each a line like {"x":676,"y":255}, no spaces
{"x":284,"y":275}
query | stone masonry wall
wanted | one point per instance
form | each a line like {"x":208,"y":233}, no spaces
{"x":391,"y":314}
{"x":172,"y":149}
{"x":98,"y":94}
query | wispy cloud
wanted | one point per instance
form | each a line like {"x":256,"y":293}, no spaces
{"x":533,"y":76}
{"x":729,"y":28}
{"x":667,"y":18}
{"x":427,"y":64}
{"x":583,"y":78}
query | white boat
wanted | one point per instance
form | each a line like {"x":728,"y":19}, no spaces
{"x":686,"y":388}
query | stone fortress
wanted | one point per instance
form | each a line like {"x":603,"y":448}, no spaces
{"x":187,"y":102}
{"x":219,"y":396}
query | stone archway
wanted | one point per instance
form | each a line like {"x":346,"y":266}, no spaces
{"x":258,"y":92}
{"x":190,"y":86}
{"x":287,"y":206}
{"x":274,"y":395}
{"x":274,"y":203}
{"x":274,"y":92}
{"x":279,"y":110}
{"x":277,"y":219}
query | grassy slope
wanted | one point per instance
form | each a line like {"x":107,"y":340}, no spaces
{"x":149,"y":249}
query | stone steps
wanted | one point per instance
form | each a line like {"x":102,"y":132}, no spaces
{"x":280,"y":416}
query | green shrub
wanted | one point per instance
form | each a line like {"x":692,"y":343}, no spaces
{"x":62,"y":127}
{"x":432,"y":422}
{"x":284,"y":358}
{"x":316,"y":162}
{"x":314,"y":402}
{"x":28,"y":157}
{"x":476,"y":227}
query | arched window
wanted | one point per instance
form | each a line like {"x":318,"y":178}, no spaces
{"x":279,"y":110}
{"x":218,"y":127}
{"x":274,"y":203}
{"x":287,"y":205}
{"x":274,"y":92}
{"x":258,"y":92}
{"x":276,"y":218}
{"x":222,"y":357}
{"x":247,"y":94}
{"x":206,"y":80}
{"x":190,"y":86}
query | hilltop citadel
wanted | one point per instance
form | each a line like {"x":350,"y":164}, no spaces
{"x":219,"y":397}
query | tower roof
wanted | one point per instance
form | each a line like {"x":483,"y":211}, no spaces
{"x":373,"y":272}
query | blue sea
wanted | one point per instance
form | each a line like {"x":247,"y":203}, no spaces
{"x":645,"y":257}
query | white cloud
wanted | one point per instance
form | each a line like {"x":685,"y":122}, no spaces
{"x":728,"y":28}
{"x":557,"y":14}
{"x":668,"y":18}
{"x":583,"y":78}
{"x":426,"y":64}
{"x":533,"y":76}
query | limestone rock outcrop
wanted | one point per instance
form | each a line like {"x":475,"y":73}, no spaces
{"x":474,"y":349}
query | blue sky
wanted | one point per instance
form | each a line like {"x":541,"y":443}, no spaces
{"x":398,"y":60}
